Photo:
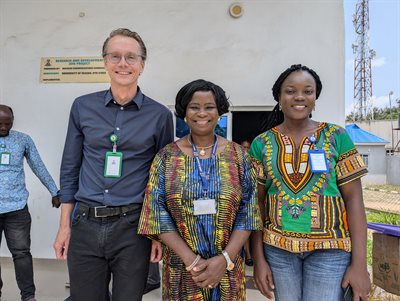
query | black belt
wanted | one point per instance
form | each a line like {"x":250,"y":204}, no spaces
{"x":105,"y":211}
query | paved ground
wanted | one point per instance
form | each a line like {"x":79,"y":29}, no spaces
{"x":51,"y":276}
{"x":382,"y":200}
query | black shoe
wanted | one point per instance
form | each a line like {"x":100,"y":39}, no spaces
{"x":151,"y":287}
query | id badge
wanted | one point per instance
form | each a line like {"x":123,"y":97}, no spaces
{"x":204,"y":206}
{"x":113,"y":165}
{"x":318,"y":160}
{"x":5,"y":158}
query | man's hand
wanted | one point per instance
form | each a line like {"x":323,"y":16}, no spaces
{"x":156,"y":251}
{"x":62,"y":242}
{"x":55,"y":201}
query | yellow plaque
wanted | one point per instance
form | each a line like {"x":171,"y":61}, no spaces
{"x":88,"y":69}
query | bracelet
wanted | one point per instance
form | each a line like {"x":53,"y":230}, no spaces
{"x":190,"y":267}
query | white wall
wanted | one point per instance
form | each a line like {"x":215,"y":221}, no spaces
{"x":186,"y":40}
{"x":393,"y":167}
{"x":376,"y":163}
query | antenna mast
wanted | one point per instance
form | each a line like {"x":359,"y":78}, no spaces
{"x":362,"y":63}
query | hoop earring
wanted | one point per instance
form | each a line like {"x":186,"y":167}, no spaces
{"x":185,"y":120}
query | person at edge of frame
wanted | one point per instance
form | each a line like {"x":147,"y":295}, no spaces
{"x":15,"y":219}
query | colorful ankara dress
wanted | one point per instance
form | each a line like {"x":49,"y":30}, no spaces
{"x":304,"y":210}
{"x":168,"y":206}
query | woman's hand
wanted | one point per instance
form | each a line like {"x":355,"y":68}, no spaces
{"x":194,"y":271}
{"x":263,"y":278}
{"x":358,"y":278}
{"x":210,"y":272}
{"x":356,"y":274}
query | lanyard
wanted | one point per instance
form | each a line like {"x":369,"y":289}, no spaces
{"x":313,"y":141}
{"x":3,"y":143}
{"x":114,"y":139}
{"x":204,"y":176}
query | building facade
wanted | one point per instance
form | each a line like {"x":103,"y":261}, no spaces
{"x":186,"y":40}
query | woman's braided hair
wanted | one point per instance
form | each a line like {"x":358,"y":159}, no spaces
{"x":276,"y":117}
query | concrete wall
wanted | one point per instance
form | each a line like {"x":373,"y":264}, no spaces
{"x":186,"y":40}
{"x":376,"y":163}
{"x":393,"y":170}
{"x":383,"y":129}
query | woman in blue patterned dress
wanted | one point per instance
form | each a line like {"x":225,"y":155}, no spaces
{"x":201,"y":202}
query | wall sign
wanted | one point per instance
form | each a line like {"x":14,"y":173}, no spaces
{"x":73,"y":70}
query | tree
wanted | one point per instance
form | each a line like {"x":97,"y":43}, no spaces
{"x":385,"y":113}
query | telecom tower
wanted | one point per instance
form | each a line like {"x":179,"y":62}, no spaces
{"x":362,"y":63}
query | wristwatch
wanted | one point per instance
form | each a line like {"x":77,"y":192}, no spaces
{"x":229,"y":264}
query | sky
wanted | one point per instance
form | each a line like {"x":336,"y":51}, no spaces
{"x":384,"y":21}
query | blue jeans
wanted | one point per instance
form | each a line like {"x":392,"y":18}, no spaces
{"x":308,"y":276}
{"x":104,"y":247}
{"x":17,"y":230}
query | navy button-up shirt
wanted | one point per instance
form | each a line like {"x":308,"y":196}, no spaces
{"x":143,"y":127}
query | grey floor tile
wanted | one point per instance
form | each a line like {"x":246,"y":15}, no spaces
{"x":51,"y":276}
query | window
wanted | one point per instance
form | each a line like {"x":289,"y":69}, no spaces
{"x":365,"y":159}
{"x":246,"y":125}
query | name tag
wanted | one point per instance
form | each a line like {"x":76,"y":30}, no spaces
{"x":318,"y":160}
{"x":5,"y":158}
{"x":204,"y":206}
{"x":113,"y":165}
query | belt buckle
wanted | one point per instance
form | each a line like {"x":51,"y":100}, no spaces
{"x":95,"y":211}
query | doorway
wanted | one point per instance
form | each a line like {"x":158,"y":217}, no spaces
{"x":246,"y":125}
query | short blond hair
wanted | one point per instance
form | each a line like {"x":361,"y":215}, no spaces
{"x":126,"y":33}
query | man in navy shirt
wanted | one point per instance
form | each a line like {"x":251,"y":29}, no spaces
{"x":15,"y":219}
{"x":112,"y":138}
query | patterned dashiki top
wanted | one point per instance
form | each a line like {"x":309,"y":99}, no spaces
{"x":304,"y":210}
{"x":168,"y":206}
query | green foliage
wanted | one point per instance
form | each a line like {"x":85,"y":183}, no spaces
{"x":379,"y":113}
{"x":384,"y":218}
{"x":369,"y":251}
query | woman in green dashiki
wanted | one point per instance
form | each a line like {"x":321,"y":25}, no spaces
{"x":313,"y":244}
{"x":201,"y":202}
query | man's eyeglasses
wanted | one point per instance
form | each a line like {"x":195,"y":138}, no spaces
{"x":131,"y":59}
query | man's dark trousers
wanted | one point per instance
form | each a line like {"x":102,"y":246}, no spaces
{"x":100,"y":247}
{"x":17,"y":230}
